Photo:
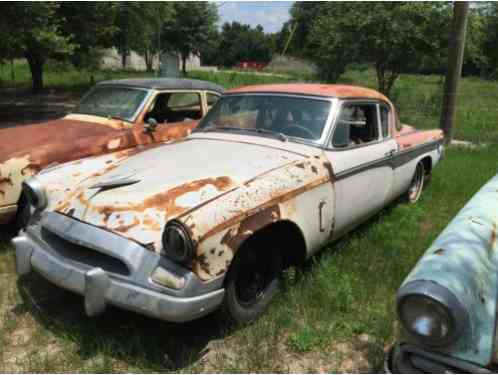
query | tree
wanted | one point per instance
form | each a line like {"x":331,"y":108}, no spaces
{"x":91,"y":28}
{"x":241,"y":42}
{"x":393,"y":36}
{"x":193,"y":24}
{"x":128,"y":22}
{"x":35,"y":34}
{"x":154,"y":17}
{"x":490,"y":40}
{"x":295,"y":32}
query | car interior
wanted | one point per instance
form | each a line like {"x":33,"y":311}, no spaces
{"x":356,"y":125}
{"x":175,"y":107}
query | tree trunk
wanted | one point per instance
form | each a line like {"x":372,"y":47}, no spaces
{"x":454,"y":70}
{"x":36,"y":67}
{"x":184,"y":64}
{"x":124,"y":55}
{"x":149,"y":61}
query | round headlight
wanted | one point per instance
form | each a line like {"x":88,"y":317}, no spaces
{"x":35,"y":193}
{"x":426,"y":318}
{"x":177,"y":243}
{"x":430,"y":313}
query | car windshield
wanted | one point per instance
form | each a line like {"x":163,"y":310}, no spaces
{"x":108,"y":101}
{"x":284,"y":116}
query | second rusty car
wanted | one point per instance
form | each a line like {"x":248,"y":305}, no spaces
{"x":114,"y":115}
{"x":270,"y":175}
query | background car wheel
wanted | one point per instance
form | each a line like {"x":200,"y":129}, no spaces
{"x":252,"y":282}
{"x":417,"y":184}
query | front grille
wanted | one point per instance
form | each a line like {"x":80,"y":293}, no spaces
{"x":84,"y":255}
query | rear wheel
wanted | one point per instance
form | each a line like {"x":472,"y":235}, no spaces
{"x":417,"y":184}
{"x":252,"y":282}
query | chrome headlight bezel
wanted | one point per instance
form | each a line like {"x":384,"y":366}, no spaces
{"x":35,"y":193}
{"x":177,"y":243}
{"x":441,"y":298}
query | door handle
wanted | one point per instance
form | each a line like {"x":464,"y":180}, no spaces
{"x":321,"y":206}
{"x":390,"y":153}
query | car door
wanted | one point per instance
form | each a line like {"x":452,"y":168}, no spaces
{"x":359,"y":151}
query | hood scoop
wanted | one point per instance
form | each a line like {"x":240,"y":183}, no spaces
{"x":115,"y":181}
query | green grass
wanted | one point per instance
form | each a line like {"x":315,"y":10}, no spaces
{"x":346,"y":293}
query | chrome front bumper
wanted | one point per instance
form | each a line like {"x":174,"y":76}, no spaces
{"x":409,"y":359}
{"x":134,"y":291}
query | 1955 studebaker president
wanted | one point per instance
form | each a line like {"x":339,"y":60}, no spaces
{"x":114,"y":115}
{"x":270,"y":175}
{"x":448,"y":303}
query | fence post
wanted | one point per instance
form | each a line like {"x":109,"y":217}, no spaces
{"x":454,"y":69}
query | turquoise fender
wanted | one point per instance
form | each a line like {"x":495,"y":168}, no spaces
{"x":464,"y":260}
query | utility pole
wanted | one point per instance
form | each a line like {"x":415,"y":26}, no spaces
{"x":454,"y":69}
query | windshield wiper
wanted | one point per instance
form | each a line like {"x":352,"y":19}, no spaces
{"x":215,"y":128}
{"x":275,"y":134}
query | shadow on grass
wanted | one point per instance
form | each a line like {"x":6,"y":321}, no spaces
{"x":135,"y":339}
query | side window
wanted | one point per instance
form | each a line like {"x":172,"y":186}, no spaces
{"x":384,"y":120}
{"x":357,"y":124}
{"x":176,"y":107}
{"x":211,"y":99}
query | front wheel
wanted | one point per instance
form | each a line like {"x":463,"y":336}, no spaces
{"x":417,"y":184}
{"x":252,"y":282}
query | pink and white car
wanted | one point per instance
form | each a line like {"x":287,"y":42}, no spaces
{"x":270,"y":175}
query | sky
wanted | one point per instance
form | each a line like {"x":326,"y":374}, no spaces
{"x":269,"y":14}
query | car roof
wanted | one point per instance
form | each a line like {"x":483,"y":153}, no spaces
{"x":165,"y":84}
{"x":315,"y":89}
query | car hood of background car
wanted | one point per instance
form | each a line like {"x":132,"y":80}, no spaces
{"x":135,"y":196}
{"x":24,"y":139}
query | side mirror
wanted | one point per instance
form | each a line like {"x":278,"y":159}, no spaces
{"x":150,"y":126}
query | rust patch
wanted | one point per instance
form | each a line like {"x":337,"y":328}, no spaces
{"x":234,"y":238}
{"x":30,"y":170}
{"x":300,"y":165}
{"x":6,"y":181}
{"x":330,"y":170}
{"x":125,"y":228}
{"x":203,"y":263}
{"x":151,"y":224}
{"x":164,"y":201}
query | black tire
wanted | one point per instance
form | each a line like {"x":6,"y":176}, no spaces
{"x":417,"y":184}
{"x":252,"y":281}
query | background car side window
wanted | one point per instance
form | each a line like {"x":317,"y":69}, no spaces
{"x":357,"y":124}
{"x":211,"y":99}
{"x":176,"y":107}
{"x":384,"y":120}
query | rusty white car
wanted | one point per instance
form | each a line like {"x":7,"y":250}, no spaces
{"x":114,"y":115}
{"x":270,"y":175}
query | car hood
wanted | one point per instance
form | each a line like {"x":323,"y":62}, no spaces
{"x":136,"y":196}
{"x":25,"y":139}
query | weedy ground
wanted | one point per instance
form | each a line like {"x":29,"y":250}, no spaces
{"x":336,"y":315}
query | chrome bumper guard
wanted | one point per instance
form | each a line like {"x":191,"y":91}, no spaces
{"x":133,"y":292}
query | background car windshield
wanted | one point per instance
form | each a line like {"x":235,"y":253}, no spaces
{"x":119,"y":102}
{"x":292,"y":116}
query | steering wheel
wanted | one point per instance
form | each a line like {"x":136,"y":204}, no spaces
{"x":300,"y":131}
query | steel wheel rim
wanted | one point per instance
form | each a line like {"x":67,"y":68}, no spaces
{"x":417,"y":183}
{"x":252,"y":280}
